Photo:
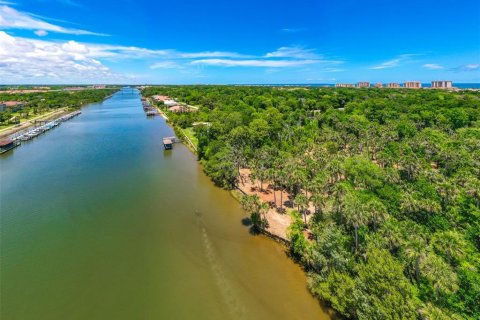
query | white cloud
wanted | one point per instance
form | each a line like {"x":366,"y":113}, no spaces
{"x":394,"y":62}
{"x":28,"y":59}
{"x":71,"y":61}
{"x":253,"y":63}
{"x":10,"y":18}
{"x":212,"y":54}
{"x":467,"y":67}
{"x":294,"y":53}
{"x":165,"y":65}
{"x":292,"y":30}
{"x":432,"y":66}
{"x":41,"y":33}
{"x":75,"y":47}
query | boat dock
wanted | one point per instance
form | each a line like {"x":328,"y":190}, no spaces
{"x":150,"y":110}
{"x":40,"y":127}
{"x":7,"y":145}
{"x":44,"y":126}
{"x":169,"y":141}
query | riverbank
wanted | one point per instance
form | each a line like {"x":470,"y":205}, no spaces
{"x":8,"y":131}
{"x":142,"y":230}
{"x":187,"y":141}
{"x":82,"y":101}
{"x":278,"y":220}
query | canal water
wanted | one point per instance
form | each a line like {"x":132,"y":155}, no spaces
{"x":97,"y":221}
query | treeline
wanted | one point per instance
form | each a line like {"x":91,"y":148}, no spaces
{"x":393,"y":176}
{"x":41,"y":102}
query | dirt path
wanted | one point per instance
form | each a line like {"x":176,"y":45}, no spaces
{"x":278,"y":222}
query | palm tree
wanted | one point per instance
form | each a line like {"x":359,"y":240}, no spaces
{"x":262,"y":210}
{"x":272,"y":176}
{"x":257,"y":209}
{"x":340,"y":191}
{"x":416,"y":252}
{"x":355,"y":214}
{"x":447,"y":191}
{"x":451,"y":243}
{"x":302,"y":203}
{"x":472,"y":188}
{"x":282,"y":177}
{"x":319,"y":200}
{"x":439,"y":274}
{"x":378,"y":211}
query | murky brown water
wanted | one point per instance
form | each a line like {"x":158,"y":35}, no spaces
{"x":99,"y":222}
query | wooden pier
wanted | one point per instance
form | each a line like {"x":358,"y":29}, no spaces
{"x":150,"y":110}
{"x":8,"y":144}
{"x":169,"y":141}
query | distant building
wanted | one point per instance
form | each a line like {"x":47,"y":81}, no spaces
{"x":378,"y":85}
{"x":178,"y":108}
{"x":170,"y":103}
{"x":442,"y":84}
{"x":363,"y":85}
{"x":74,"y":88}
{"x":14,"y":105}
{"x":99,"y":86}
{"x":160,"y":98}
{"x":344,"y":85}
{"x":393,"y":85}
{"x":412,"y":84}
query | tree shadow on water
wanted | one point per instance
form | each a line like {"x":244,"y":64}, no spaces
{"x":247,"y":222}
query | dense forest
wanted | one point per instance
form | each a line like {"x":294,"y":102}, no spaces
{"x":393,"y":175}
{"x":37,"y":103}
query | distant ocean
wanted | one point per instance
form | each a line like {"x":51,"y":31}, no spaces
{"x":424,"y":85}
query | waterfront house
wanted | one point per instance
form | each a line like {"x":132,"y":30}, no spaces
{"x":177,"y":109}
{"x":170,"y":103}
{"x":160,"y":98}
{"x":14,"y":105}
{"x":378,"y":85}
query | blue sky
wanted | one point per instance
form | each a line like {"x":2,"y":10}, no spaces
{"x":187,"y":41}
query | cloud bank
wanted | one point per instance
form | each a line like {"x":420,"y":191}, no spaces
{"x":11,"y":18}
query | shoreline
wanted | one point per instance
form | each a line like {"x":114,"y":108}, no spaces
{"x":8,"y":131}
{"x":278,"y":234}
{"x":5,"y":133}
{"x":190,"y":145}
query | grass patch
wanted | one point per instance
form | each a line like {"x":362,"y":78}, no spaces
{"x":191,"y":135}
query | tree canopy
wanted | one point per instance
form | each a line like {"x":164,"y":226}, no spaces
{"x":393,"y":175}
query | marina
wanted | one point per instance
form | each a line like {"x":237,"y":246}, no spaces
{"x":41,"y":127}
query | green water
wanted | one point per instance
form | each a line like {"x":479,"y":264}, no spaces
{"x":97,"y":221}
